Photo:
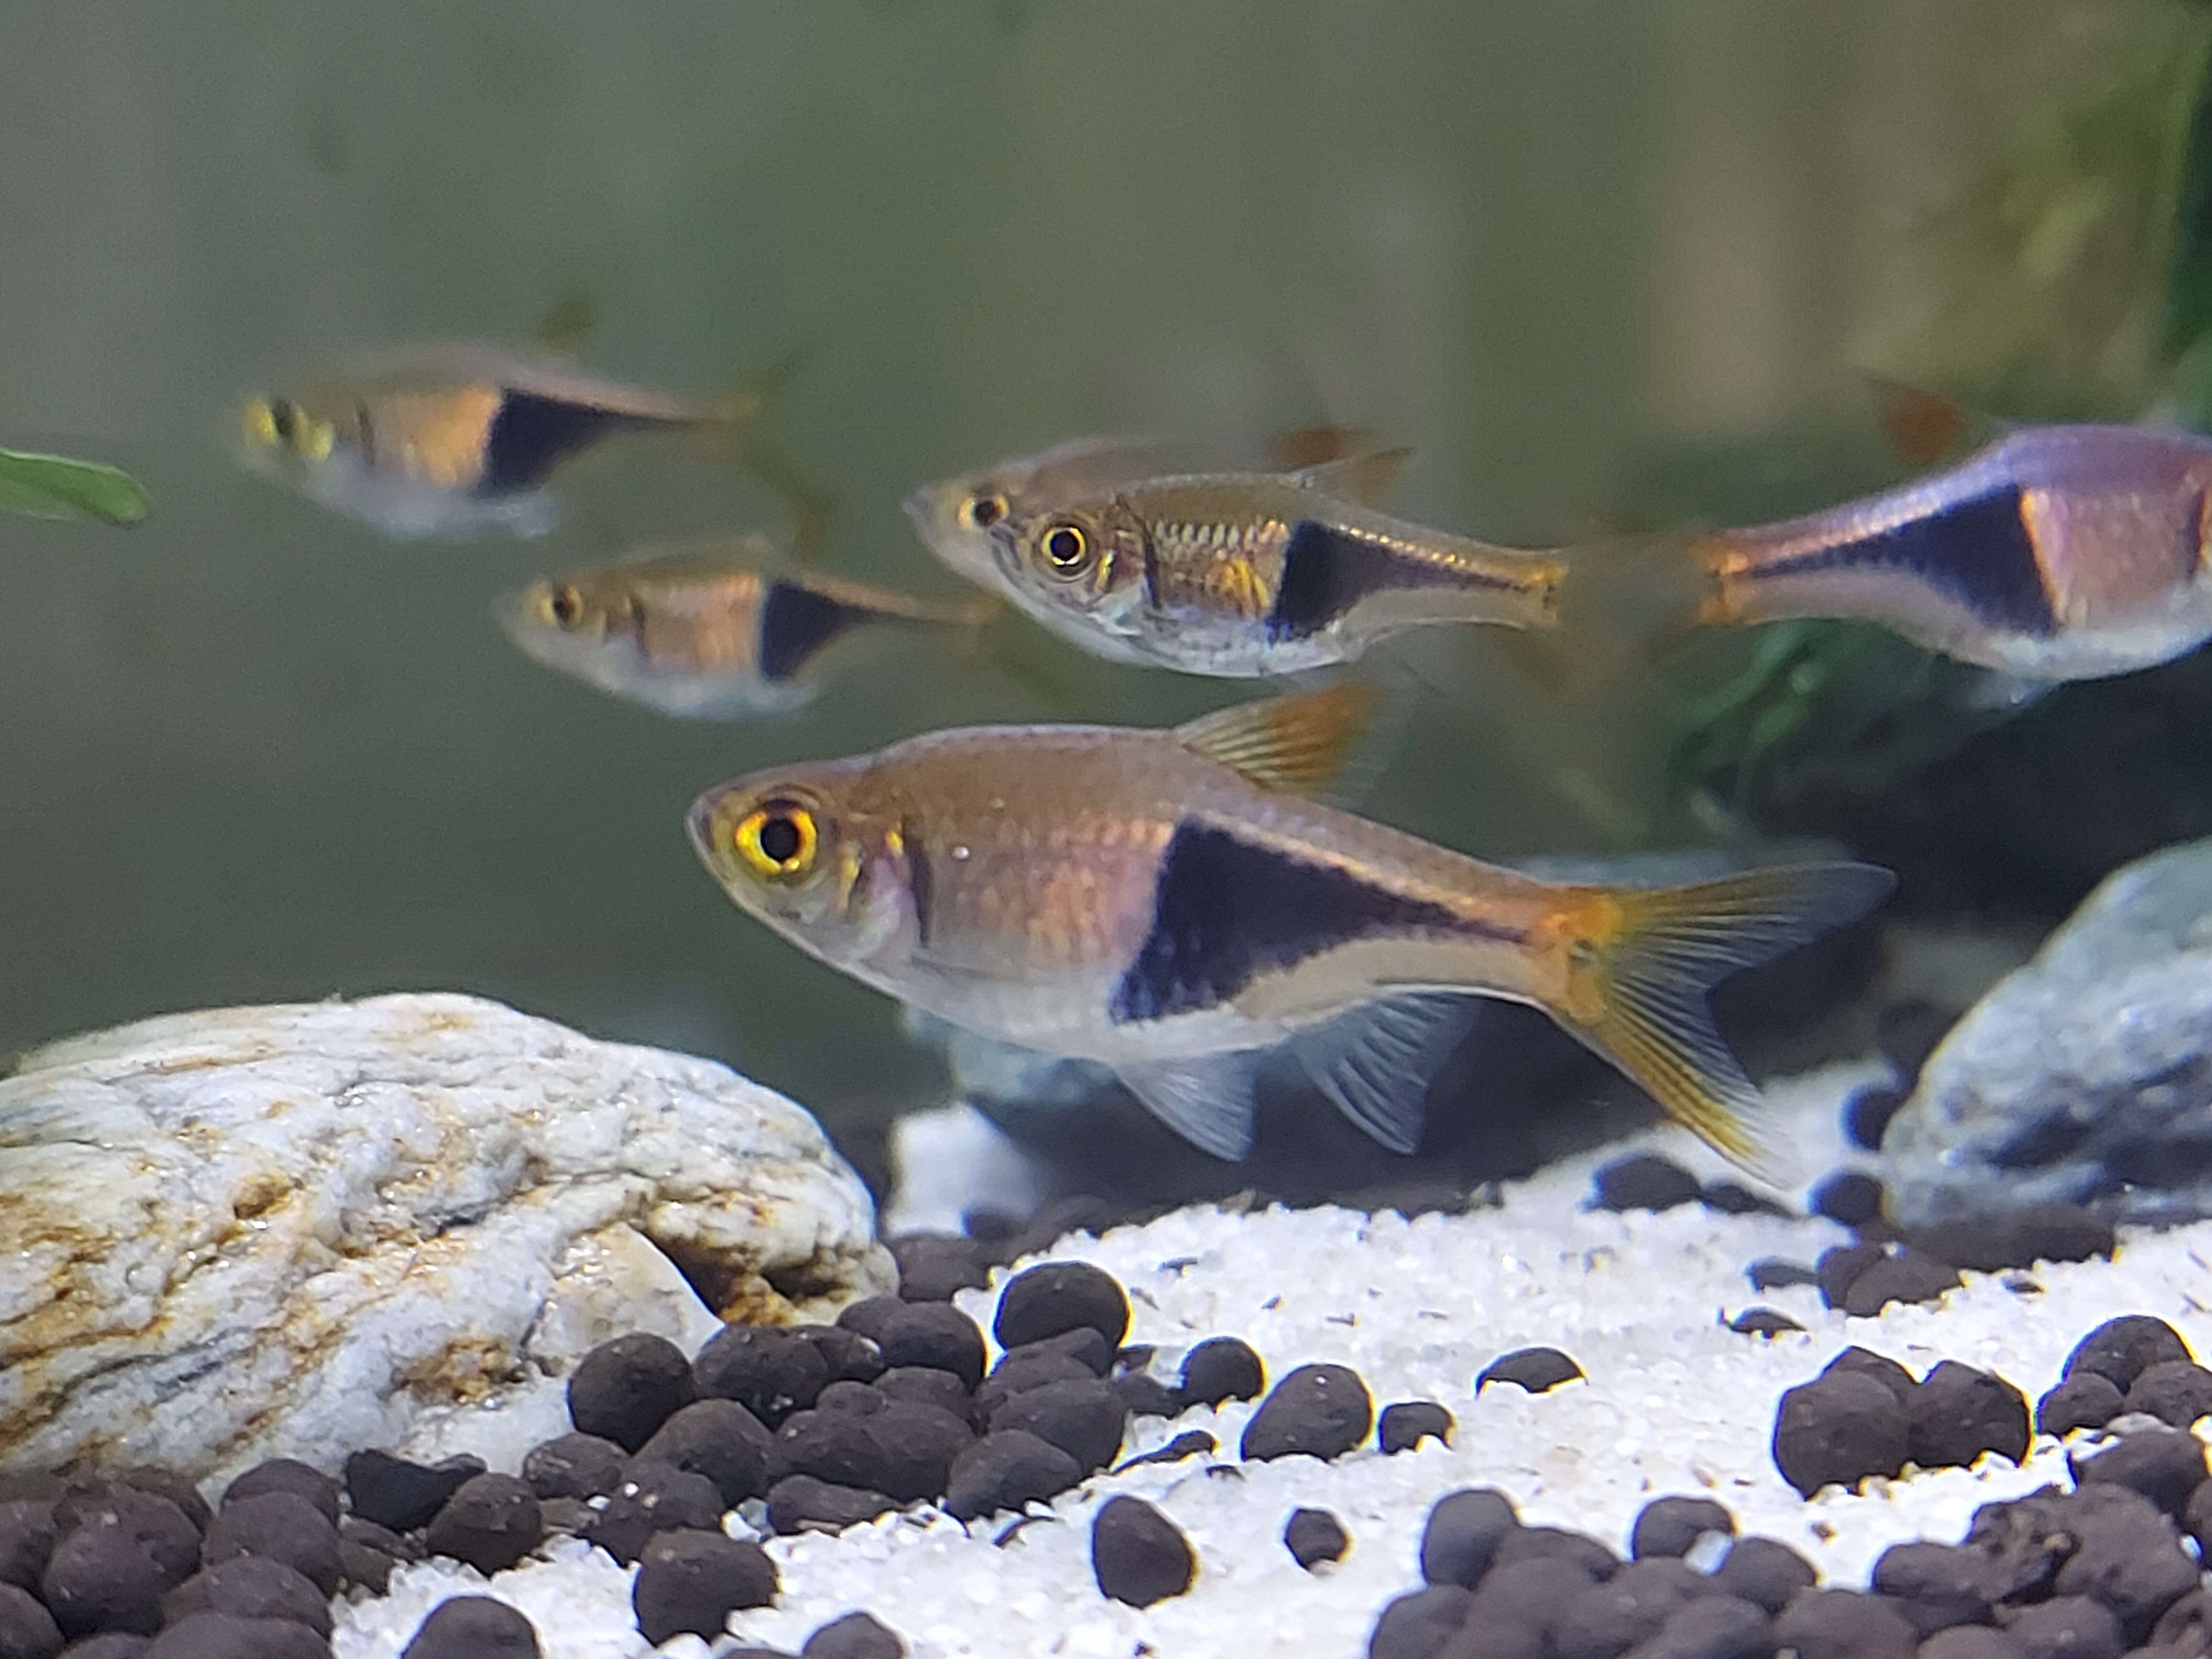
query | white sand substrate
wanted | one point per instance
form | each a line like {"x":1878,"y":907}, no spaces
{"x":1674,"y":1402}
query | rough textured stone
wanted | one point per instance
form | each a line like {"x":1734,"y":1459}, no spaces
{"x":1138,"y":1555}
{"x":2077,"y":1074}
{"x":693,"y":1581}
{"x":474,"y":1628}
{"x":472,"y":1192}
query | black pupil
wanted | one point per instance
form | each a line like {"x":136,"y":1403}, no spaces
{"x":780,"y":839}
{"x":985,"y":510}
{"x":565,"y":606}
{"x":280,"y":415}
{"x":1064,"y":546}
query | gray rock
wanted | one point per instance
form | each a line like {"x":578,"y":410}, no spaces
{"x":2086,"y":1075}
{"x":254,"y":1232}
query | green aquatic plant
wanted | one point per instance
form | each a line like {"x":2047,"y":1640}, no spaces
{"x":55,"y":487}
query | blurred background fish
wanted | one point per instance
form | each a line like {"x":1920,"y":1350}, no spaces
{"x":726,"y":630}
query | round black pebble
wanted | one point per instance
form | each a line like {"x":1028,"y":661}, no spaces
{"x":1602,"y":1621}
{"x":178,"y":1488}
{"x":581,"y":1466}
{"x":1712,"y":1627}
{"x":26,"y":1539}
{"x":800,"y":1503}
{"x":1588,"y":1556}
{"x":933,"y":1333}
{"x":1838,"y":1429}
{"x":855,"y":1636}
{"x":1734,"y":1198}
{"x":924,"y":1385}
{"x":1666,"y":1527}
{"x":1763,"y":1321}
{"x":1222,"y":1368}
{"x":1969,"y":1642}
{"x":624,"y":1389}
{"x":1313,"y":1536}
{"x":113,"y":1645}
{"x":28,"y":1630}
{"x":249,"y":1587}
{"x":370,"y":1568}
{"x":286,"y":1475}
{"x":2086,"y":1400}
{"x":1851,"y":1196}
{"x":403,"y":1496}
{"x":1320,"y":1411}
{"x":1461,"y":1538}
{"x":1908,"y":1275}
{"x":1406,"y":1425}
{"x":769,"y":1371}
{"x":1772,"y":1272}
{"x":2053,"y":1231}
{"x":1845,"y":1625}
{"x":1837,"y":1269}
{"x":869,"y":1318}
{"x":2175,"y":1391}
{"x":226,"y":1636}
{"x":491,"y":1523}
{"x":99,"y":1578}
{"x":2184,"y":1627}
{"x":2122,"y":1349}
{"x":935,"y":1267}
{"x":1417,"y":1626}
{"x":1015,"y":1374}
{"x":1643,"y":1181}
{"x":156,"y":1524}
{"x":1764,"y":1571}
{"x":1137,"y":1553}
{"x":2067,"y":1627}
{"x":851,"y":1356}
{"x":1864,"y":1362}
{"x":693,"y":1581}
{"x":2165,"y":1466}
{"x":1144,"y":1395}
{"x":1958,"y":1412}
{"x":474,"y":1628}
{"x":1191,"y":1442}
{"x":832,"y":1442}
{"x":916,"y":1444}
{"x":1867,"y":1113}
{"x":1936,"y":1585}
{"x":654,"y":1498}
{"x":1060,"y":1295}
{"x":1086,"y":1419}
{"x":1005,"y":1471}
{"x":2128,"y":1557}
{"x":720,"y":1439}
{"x":1537,"y":1369}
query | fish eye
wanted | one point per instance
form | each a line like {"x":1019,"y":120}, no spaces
{"x":778,"y":840}
{"x":983,"y":510}
{"x":1065,"y":547}
{"x":261,"y":421}
{"x":565,"y":606}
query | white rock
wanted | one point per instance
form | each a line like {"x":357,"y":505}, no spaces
{"x":308,"y":1229}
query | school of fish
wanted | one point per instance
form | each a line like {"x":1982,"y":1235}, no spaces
{"x":1183,"y":906}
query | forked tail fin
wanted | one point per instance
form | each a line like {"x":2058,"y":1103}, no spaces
{"x":1641,"y":962}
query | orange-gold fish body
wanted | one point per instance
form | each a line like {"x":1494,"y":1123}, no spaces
{"x":723,"y":631}
{"x":1164,"y":903}
{"x":452,"y":441}
{"x":1245,"y":574}
{"x":2056,"y":553}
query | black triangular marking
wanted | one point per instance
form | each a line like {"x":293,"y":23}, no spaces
{"x":796,"y":623}
{"x":531,"y":435}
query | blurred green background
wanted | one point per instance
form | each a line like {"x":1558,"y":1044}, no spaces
{"x":1606,"y":265}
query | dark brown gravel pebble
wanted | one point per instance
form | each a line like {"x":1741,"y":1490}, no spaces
{"x":157,"y":1525}
{"x":1532,"y":1596}
{"x":403,"y":1496}
{"x":474,"y":1628}
{"x":1838,"y":1269}
{"x":225,"y":1636}
{"x":1537,"y":1369}
{"x":114,"y":1644}
{"x":1222,"y":1368}
{"x":624,"y":1389}
{"x":2186,"y":1626}
{"x":1319,"y":1411}
{"x":1022,"y":1371}
{"x":1838,"y":1429}
{"x":286,"y":1475}
{"x":1191,"y":1442}
{"x":1005,"y":1471}
{"x":251,"y":1588}
{"x":869,"y":1317}
{"x":1866,"y":1112}
{"x":1589,"y":1557}
{"x":1845,"y":1625}
{"x":2083,"y":1400}
{"x":575,"y":1466}
{"x":855,"y":1636}
{"x":2123,"y":1349}
{"x":654,"y":1498}
{"x":491,"y":1523}
{"x":850,"y":1356}
{"x":1764,"y":1571}
{"x":2165,"y":1466}
{"x":693,"y":1581}
{"x":854,"y":1399}
{"x":1763,"y":1321}
{"x":1313,"y":1536}
{"x":28,"y":1630}
{"x":768,"y":1371}
{"x":178,"y":1488}
{"x":1643,"y":1181}
{"x":937,"y":1267}
{"x":1086,"y":1419}
{"x":1969,"y":1642}
{"x":720,"y":1439}
{"x":1144,"y":1394}
{"x":1908,"y":1275}
{"x":99,"y":1578}
{"x":1606,"y":1620}
{"x":370,"y":1568}
{"x":1462,"y":1535}
{"x":1666,"y":1527}
{"x":1851,"y":1196}
{"x":1403,"y":1427}
{"x":1734,"y":1198}
{"x":1090,"y":1347}
{"x":2066,"y":1627}
{"x":1060,"y":1295}
{"x":2175,"y":1391}
{"x":26,"y":1539}
{"x":1936,"y":1585}
{"x":800,"y":1503}
{"x":1958,"y":1412}
{"x":915,"y":1446}
{"x":1772,"y":1272}
{"x":933,"y":1333}
{"x":1417,"y":1626}
{"x":830,"y":1442}
{"x":1880,"y":1367}
{"x":1138,"y":1555}
{"x":2056,"y":1232}
{"x":925,"y":1385}
{"x":2129,"y":1557}
{"x":1711,"y":1627}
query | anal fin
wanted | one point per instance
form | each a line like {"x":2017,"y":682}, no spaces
{"x":1374,"y":1063}
{"x":1209,"y":1101}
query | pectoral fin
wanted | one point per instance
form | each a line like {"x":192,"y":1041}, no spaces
{"x":1209,"y":1101}
{"x":1374,"y":1063}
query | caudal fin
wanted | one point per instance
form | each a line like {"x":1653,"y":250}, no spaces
{"x":1645,"y":960}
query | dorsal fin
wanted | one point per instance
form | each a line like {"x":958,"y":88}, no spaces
{"x":1299,"y":447}
{"x":1365,"y":479}
{"x":1923,"y":429}
{"x":567,"y":324}
{"x":1298,"y":744}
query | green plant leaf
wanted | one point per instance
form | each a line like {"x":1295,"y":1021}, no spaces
{"x":55,"y":487}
